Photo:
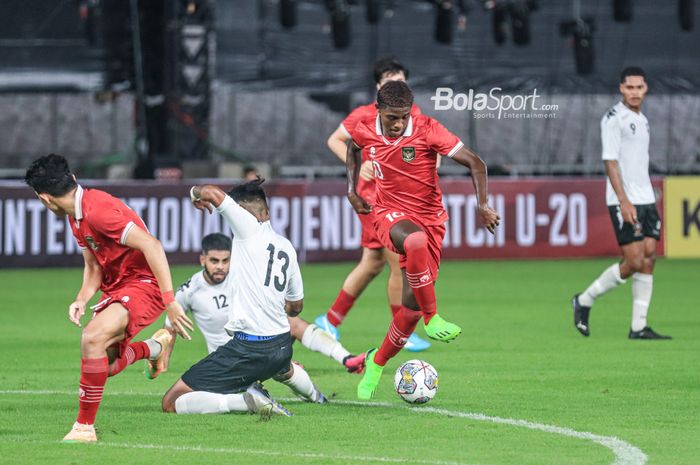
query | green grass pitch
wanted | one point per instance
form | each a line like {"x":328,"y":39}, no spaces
{"x":519,"y":358}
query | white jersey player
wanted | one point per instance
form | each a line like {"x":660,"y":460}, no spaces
{"x":267,"y":287}
{"x":208,"y":301}
{"x":632,"y":205}
{"x":207,"y":295}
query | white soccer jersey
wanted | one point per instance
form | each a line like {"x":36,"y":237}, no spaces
{"x":264,"y":273}
{"x":209,"y":304}
{"x":625,"y":138}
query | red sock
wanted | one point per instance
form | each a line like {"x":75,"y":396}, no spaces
{"x":418,"y":273}
{"x":342,"y":305}
{"x":93,"y":376}
{"x":394,"y":309}
{"x":135,"y":351}
{"x":401,"y":327}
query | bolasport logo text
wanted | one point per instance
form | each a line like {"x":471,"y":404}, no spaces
{"x":494,"y":104}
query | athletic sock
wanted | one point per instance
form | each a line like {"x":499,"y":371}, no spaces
{"x":300,"y":382}
{"x":401,"y":327}
{"x":340,"y":308}
{"x":317,"y":340}
{"x":642,"y":286}
{"x":394,"y":309}
{"x":210,"y":402}
{"x":134,"y":351}
{"x":154,"y":348}
{"x":609,"y":279}
{"x":418,"y":273}
{"x":93,"y":377}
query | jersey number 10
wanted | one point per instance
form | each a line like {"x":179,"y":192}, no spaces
{"x":377,"y":170}
{"x":281,"y":255}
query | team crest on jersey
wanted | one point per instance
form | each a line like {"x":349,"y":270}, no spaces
{"x":408,"y":154}
{"x":372,"y":151}
{"x":91,"y":242}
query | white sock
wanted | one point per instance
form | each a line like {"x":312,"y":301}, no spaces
{"x":317,"y":340}
{"x":301,"y":384}
{"x":609,"y":279}
{"x":154,"y":348}
{"x":210,"y":402}
{"x":642,"y":285}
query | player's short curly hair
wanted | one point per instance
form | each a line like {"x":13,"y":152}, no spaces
{"x":395,"y":94}
{"x":215,"y":241}
{"x":388,"y":65}
{"x":50,"y":174}
{"x":250,"y":191}
{"x":632,"y":71}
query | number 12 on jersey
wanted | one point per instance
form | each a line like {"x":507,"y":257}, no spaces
{"x":281,"y":255}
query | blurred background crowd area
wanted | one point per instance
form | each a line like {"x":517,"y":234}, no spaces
{"x":206,"y":88}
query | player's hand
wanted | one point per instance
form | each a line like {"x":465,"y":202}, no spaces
{"x":179,"y":320}
{"x":75,"y":311}
{"x":489,"y":217}
{"x":367,"y":171}
{"x":629,"y":212}
{"x":359,"y":204}
{"x":203,"y":205}
{"x":197,"y":200}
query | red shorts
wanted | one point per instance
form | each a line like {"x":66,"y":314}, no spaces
{"x":387,"y":219}
{"x":369,"y":238}
{"x":141,"y":299}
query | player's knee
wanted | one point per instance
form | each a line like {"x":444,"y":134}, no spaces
{"x":281,"y":377}
{"x":372,"y":263}
{"x":649,"y":262}
{"x":90,"y":339}
{"x":415,"y":241}
{"x":168,"y":403}
{"x":374,"y":266}
{"x":636,"y":264}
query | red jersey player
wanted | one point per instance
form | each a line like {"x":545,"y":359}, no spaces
{"x":374,"y":255}
{"x":408,"y":211}
{"x":128,"y":265}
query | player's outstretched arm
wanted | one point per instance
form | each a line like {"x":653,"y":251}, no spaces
{"x":628,"y":211}
{"x":152,"y":249}
{"x":479,"y":174}
{"x":92,"y":278}
{"x":293,"y":308}
{"x":352,"y":163}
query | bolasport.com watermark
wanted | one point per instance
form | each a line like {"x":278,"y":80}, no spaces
{"x":494,"y":104}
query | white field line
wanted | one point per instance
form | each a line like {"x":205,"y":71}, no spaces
{"x":625,"y":453}
{"x":233,"y":450}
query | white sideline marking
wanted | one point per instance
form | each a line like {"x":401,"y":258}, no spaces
{"x":625,"y":453}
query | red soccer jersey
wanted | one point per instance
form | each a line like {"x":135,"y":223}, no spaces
{"x":366,"y":188}
{"x":101,"y":225}
{"x":405,"y":168}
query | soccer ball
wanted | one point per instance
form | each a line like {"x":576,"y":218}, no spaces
{"x":416,"y":382}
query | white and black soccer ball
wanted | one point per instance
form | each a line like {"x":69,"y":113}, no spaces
{"x":416,"y":382}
